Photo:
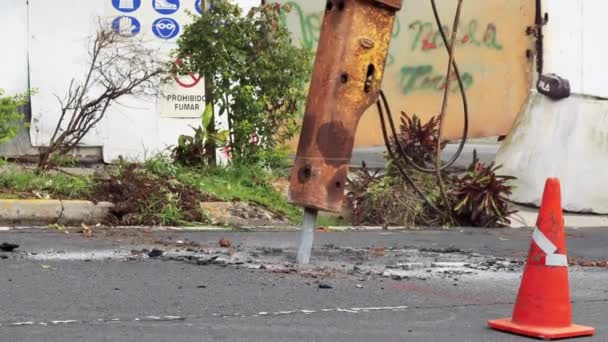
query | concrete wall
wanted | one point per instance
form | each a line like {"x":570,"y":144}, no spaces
{"x":491,"y":54}
{"x":13,"y":66}
{"x":566,"y":138}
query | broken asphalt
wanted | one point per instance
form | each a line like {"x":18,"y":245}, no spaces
{"x":128,"y":285}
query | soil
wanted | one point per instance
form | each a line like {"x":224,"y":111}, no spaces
{"x":138,"y":196}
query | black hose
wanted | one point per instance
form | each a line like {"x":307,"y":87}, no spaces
{"x":383,"y":101}
{"x":391,"y":154}
{"x":465,"y":105}
{"x":444,"y":106}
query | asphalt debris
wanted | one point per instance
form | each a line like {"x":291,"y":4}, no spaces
{"x":448,"y":250}
{"x":8,"y":247}
{"x":155,"y":253}
{"x":325,"y":286}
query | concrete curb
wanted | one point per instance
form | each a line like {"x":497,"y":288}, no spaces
{"x":38,"y":214}
{"x":526,"y":218}
{"x":44,"y":212}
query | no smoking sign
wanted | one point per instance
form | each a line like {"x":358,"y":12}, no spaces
{"x":184,"y":98}
{"x":186,"y":81}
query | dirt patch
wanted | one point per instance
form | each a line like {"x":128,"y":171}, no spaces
{"x":242,"y":214}
{"x":141,"y":198}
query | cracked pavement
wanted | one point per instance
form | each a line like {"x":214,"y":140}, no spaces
{"x":431,"y":285}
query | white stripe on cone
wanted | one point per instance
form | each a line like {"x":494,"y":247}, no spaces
{"x":552,"y":259}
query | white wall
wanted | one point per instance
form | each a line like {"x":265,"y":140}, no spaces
{"x":574,"y":44}
{"x":59,"y":33}
{"x":13,"y":58}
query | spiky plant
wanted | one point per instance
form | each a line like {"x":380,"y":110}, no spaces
{"x":482,"y":196}
{"x":419,"y":141}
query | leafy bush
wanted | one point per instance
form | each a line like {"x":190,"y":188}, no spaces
{"x":377,"y":199}
{"x":11,"y":117}
{"x":481,"y":196}
{"x":255,"y":75}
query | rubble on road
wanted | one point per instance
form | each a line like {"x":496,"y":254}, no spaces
{"x":8,"y":247}
{"x":396,"y":263}
{"x":155,"y":253}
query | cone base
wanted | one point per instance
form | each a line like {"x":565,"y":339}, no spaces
{"x":506,"y":324}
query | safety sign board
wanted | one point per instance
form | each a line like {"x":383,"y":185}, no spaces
{"x":190,"y":80}
{"x":126,"y":6}
{"x":165,"y":28}
{"x":183,"y":98}
{"x":166,"y":7}
{"x":159,"y":23}
{"x":126,"y":26}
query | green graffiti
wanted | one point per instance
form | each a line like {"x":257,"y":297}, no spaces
{"x":396,"y":27}
{"x":424,"y":77}
{"x":424,"y":29}
{"x":428,"y":38}
{"x":310,"y":25}
{"x":490,"y":38}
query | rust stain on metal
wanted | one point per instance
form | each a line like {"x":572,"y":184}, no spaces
{"x":346,"y":81}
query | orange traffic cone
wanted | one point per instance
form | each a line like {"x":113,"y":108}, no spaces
{"x":543,"y":308}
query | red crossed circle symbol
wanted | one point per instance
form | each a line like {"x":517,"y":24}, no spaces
{"x":190,"y":82}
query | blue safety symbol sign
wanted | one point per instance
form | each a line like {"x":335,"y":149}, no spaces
{"x":126,"y":6}
{"x":126,"y":26}
{"x":166,"y":6}
{"x":199,"y":9}
{"x":165,"y":28}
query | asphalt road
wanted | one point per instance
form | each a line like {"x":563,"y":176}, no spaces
{"x":69,"y":287}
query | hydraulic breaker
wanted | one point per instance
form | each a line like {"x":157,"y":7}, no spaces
{"x":347,"y":76}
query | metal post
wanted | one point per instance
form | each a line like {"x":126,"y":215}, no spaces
{"x":307,"y":236}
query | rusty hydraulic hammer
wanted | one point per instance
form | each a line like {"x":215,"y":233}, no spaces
{"x":347,"y":76}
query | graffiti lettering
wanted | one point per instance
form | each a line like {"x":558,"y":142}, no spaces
{"x":310,"y":27}
{"x":424,"y":77}
{"x":427,"y":36}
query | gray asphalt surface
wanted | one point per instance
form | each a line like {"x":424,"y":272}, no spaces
{"x":67,"y":287}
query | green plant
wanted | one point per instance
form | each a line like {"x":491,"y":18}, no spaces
{"x":254,"y":74}
{"x":236,"y":182}
{"x":419,"y":141}
{"x":64,"y":160}
{"x":54,"y":185}
{"x":482,"y":196}
{"x":160,"y":165}
{"x":278,"y":160}
{"x":11,"y":116}
{"x":376,"y":199}
{"x":194,"y":150}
